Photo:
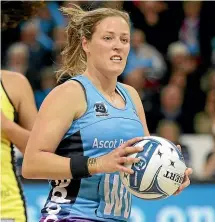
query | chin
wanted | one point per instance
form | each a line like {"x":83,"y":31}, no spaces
{"x":115,"y":72}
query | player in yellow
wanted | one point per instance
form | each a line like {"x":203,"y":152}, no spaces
{"x":18,"y":112}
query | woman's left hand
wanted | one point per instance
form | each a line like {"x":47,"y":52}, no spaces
{"x":186,"y":181}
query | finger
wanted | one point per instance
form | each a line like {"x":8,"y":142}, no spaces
{"x":132,"y":141}
{"x":185,"y":184}
{"x":179,"y":147}
{"x":130,"y":150}
{"x":128,"y":160}
{"x":188,"y":171}
{"x":177,"y":192}
{"x":125,"y":169}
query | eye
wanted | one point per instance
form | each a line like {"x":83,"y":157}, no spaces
{"x":125,"y":40}
{"x":108,"y":38}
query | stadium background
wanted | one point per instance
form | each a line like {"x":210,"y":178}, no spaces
{"x":172,"y":66}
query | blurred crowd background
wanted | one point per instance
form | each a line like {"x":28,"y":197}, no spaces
{"x":171,"y":63}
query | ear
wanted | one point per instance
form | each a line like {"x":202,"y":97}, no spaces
{"x":85,"y":44}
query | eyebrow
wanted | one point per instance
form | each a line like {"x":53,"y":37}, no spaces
{"x":124,"y":33}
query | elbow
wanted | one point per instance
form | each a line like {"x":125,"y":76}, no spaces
{"x":28,"y":171}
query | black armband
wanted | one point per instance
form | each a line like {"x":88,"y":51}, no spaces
{"x":78,"y":167}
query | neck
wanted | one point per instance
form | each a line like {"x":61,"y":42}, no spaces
{"x":103,"y":83}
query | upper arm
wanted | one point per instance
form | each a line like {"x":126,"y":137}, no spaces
{"x":139,"y":107}
{"x":27,"y":110}
{"x":55,"y":116}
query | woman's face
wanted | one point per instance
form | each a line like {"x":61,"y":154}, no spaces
{"x":108,"y":49}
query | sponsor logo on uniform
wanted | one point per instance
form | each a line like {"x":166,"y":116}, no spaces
{"x":101,"y":109}
{"x":107,"y":143}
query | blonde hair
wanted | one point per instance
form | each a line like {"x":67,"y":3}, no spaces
{"x":81,"y":24}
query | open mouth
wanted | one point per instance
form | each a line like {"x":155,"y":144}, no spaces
{"x":116,"y":58}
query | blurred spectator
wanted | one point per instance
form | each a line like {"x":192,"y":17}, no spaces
{"x":49,"y":17}
{"x":170,"y":108}
{"x":170,"y":130}
{"x":48,"y":82}
{"x":145,"y":66}
{"x":17,"y":58}
{"x":208,"y":81}
{"x":38,"y":55}
{"x":152,"y":59}
{"x":207,"y":32}
{"x":29,"y":36}
{"x":189,"y":31}
{"x":59,"y":37}
{"x":136,"y":79}
{"x":179,"y":57}
{"x":179,"y":79}
{"x":181,"y":62}
{"x":204,"y":120}
{"x":159,"y":20}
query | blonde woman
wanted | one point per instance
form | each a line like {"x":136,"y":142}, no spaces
{"x":86,"y":126}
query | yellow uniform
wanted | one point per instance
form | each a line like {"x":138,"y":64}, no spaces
{"x":12,"y":201}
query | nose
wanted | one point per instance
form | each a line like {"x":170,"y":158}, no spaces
{"x":117,"y":44}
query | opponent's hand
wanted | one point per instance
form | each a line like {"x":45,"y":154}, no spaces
{"x":115,"y":160}
{"x":186,"y":181}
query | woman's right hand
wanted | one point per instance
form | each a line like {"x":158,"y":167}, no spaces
{"x":115,"y":160}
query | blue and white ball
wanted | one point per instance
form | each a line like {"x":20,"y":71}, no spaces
{"x":159,"y":172}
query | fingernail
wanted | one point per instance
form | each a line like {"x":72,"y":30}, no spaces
{"x":140,"y":148}
{"x":137,"y":160}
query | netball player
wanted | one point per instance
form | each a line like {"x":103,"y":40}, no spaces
{"x":79,"y":137}
{"x":18,"y":113}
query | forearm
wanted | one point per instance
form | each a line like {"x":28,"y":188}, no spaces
{"x":17,"y":135}
{"x":45,"y":165}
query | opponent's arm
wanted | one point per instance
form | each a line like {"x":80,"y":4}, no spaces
{"x":19,"y":133}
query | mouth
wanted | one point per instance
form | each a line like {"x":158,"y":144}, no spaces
{"x":116,"y":58}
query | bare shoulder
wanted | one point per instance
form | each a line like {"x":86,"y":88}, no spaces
{"x":69,"y":95}
{"x":71,"y":89}
{"x":134,"y":95}
{"x":16,"y":85}
{"x":133,"y":92}
{"x":14,"y":78}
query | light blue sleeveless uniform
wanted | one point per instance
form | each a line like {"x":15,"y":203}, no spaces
{"x":101,"y":129}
